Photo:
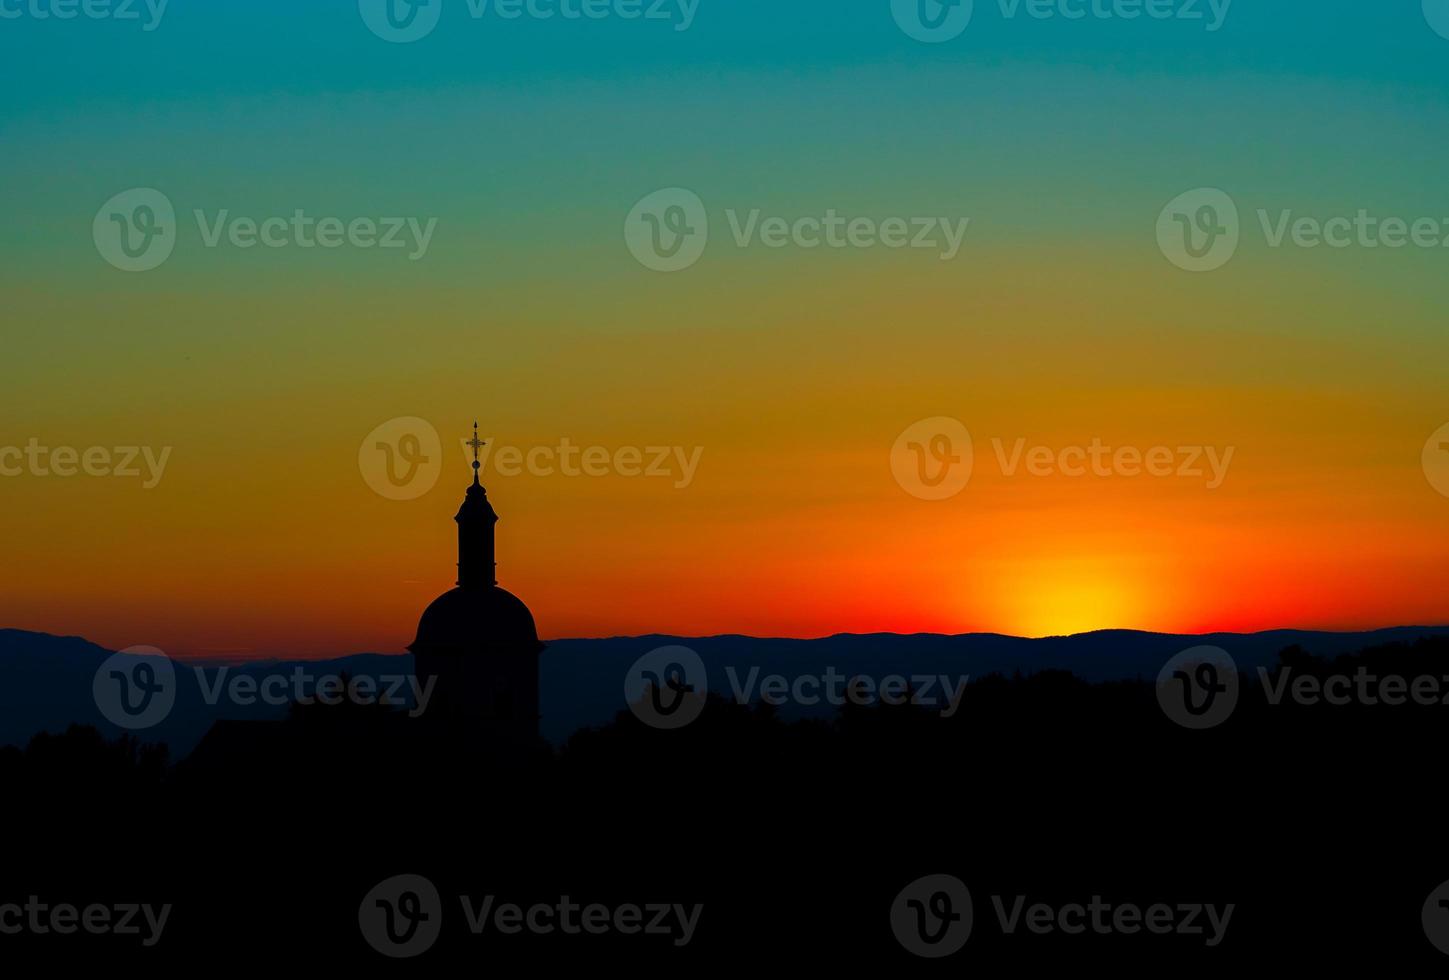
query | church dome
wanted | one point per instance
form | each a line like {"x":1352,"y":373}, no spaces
{"x":477,"y":618}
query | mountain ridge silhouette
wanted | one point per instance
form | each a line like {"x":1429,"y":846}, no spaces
{"x":45,"y":679}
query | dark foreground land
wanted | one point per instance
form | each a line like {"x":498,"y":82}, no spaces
{"x":746,"y":843}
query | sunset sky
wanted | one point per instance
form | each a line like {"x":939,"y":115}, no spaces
{"x":793,"y":370}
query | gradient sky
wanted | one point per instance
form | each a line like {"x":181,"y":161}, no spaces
{"x":795,"y":371}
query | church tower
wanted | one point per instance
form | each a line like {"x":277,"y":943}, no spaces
{"x":477,"y":644}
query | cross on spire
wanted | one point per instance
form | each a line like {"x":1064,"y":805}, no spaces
{"x":477,"y":444}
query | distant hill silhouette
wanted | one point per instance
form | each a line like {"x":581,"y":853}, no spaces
{"x":45,"y":686}
{"x":45,"y":681}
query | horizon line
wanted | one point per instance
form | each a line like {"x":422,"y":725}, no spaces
{"x":264,"y":657}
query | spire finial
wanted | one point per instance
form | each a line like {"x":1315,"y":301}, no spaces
{"x":477,"y":444}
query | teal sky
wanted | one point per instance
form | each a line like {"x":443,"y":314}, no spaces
{"x":1031,"y":126}
{"x":222,"y":49}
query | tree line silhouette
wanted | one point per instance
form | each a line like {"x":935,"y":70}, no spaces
{"x":1321,"y":822}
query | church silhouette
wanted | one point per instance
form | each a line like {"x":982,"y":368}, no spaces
{"x":476,"y":654}
{"x":477,"y":644}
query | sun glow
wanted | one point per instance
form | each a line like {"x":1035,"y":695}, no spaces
{"x":1058,"y":598}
